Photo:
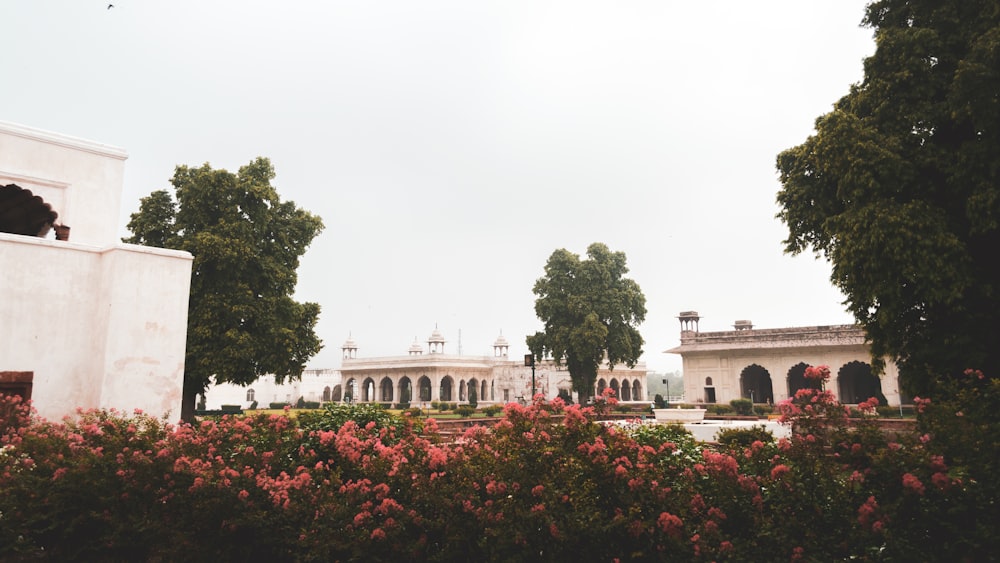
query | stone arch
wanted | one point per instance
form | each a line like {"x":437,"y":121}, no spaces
{"x":797,"y":379}
{"x":405,"y":390}
{"x":708,"y":382}
{"x":755,"y":384}
{"x":385,"y":390}
{"x":251,"y":394}
{"x":424,"y":388}
{"x":24,"y":213}
{"x":614,"y":387}
{"x":482,"y":392}
{"x":447,"y":384}
{"x":461,"y":390}
{"x":336,"y":394}
{"x":326,"y":393}
{"x":368,"y":390}
{"x":636,"y":390}
{"x":856,"y":383}
{"x":601,"y":385}
{"x":626,"y":390}
{"x":351,"y":391}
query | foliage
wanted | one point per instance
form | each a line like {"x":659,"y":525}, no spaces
{"x":566,"y":396}
{"x":718,"y":408}
{"x":465,"y":411}
{"x":743,"y":407}
{"x":738,"y":438}
{"x":246,"y":243}
{"x":334,"y":416}
{"x":545,"y":483}
{"x":473,"y":397}
{"x":899,"y":189}
{"x":591,"y":313}
{"x":658,"y":401}
{"x":492,"y":410}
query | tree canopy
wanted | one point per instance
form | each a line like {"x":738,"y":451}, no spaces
{"x":899,"y":188}
{"x":246,"y":243}
{"x":590,"y":312}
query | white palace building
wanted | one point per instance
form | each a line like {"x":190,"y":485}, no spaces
{"x":767,"y":365}
{"x":425,"y":375}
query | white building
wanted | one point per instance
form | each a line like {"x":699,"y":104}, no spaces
{"x":85,"y":320}
{"x":767,"y":365}
{"x":426,"y":375}
{"x":314,"y":385}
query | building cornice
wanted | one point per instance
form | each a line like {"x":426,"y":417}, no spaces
{"x":776,"y":338}
{"x":61,"y":140}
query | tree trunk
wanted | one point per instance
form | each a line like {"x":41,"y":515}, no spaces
{"x":188,"y":398}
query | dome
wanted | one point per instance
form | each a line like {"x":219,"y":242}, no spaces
{"x":349,"y":343}
{"x":501,"y":341}
{"x":416,"y":348}
{"x":436,"y":336}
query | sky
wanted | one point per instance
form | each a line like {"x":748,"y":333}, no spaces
{"x":450,"y":146}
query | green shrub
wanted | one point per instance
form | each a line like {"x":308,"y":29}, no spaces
{"x":436,"y":405}
{"x":763,"y":410}
{"x":278,"y":405}
{"x":231,"y":409}
{"x":743,"y":407}
{"x":739,"y":438}
{"x":465,"y":411}
{"x":566,"y":396}
{"x":492,"y":410}
{"x":719,"y":409}
{"x":414,"y":412}
{"x":894,"y":412}
{"x":334,"y":415}
{"x":300,"y":403}
{"x":658,"y":401}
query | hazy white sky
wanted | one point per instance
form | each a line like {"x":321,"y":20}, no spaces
{"x":451,"y":145}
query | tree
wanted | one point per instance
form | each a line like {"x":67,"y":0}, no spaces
{"x":590,"y":312}
{"x":246,"y":243}
{"x":899,"y":189}
{"x":473,"y":399}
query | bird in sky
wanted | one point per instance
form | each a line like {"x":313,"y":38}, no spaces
{"x":111,"y":6}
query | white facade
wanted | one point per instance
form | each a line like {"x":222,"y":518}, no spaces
{"x":423,"y":376}
{"x":766,"y":365}
{"x":87,"y":322}
{"x":314,"y":385}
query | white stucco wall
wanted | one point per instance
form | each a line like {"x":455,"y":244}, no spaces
{"x":265,"y":390}
{"x":81,"y":180}
{"x":100,"y":324}
{"x":722,"y":356}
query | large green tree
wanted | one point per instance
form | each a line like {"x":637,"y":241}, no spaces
{"x":246,"y":243}
{"x":591,"y":313}
{"x":899,"y":188}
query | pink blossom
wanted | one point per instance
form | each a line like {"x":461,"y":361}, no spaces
{"x":913,"y":483}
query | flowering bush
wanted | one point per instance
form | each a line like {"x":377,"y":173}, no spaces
{"x":546,"y":483}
